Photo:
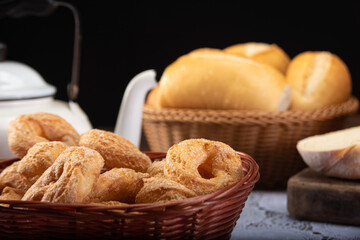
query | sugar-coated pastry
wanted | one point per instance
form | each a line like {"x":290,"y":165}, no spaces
{"x":117,"y":151}
{"x":118,"y":184}
{"x":157,"y":169}
{"x":23,"y":173}
{"x":27,"y":129}
{"x":70,"y":179}
{"x":10,"y":193}
{"x":160,"y":190}
{"x":110,"y":203}
{"x":202,"y":165}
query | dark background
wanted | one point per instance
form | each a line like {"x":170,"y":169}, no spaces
{"x":121,"y":39}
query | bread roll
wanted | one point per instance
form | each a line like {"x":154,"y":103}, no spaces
{"x":216,"y":80}
{"x":206,"y":50}
{"x":151,"y":98}
{"x":318,"y":79}
{"x":270,"y":54}
{"x":334,"y":154}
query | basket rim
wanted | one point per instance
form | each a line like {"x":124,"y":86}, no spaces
{"x":151,"y":113}
{"x":249,"y":165}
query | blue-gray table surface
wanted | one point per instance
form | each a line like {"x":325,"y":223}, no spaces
{"x":265,"y":216}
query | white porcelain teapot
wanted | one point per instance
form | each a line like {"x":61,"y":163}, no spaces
{"x":23,"y":90}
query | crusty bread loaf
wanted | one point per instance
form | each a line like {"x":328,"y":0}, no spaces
{"x":334,"y":154}
{"x":211,"y":79}
{"x":318,"y":79}
{"x":270,"y":54}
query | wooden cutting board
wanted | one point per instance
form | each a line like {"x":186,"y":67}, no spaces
{"x":312,"y":196}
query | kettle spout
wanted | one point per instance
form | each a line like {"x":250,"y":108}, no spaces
{"x":128,"y":123}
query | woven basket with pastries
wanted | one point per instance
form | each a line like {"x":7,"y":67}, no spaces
{"x":98,"y":185}
{"x":255,"y":98}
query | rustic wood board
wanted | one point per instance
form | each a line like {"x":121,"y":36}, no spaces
{"x":312,"y":196}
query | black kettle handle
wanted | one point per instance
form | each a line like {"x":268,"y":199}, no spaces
{"x":23,"y":8}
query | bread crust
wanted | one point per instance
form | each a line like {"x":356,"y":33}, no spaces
{"x":342,"y":161}
{"x":269,"y":54}
{"x":216,"y":80}
{"x":318,"y":79}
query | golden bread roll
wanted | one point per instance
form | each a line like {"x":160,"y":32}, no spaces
{"x":270,"y":54}
{"x":318,"y":79}
{"x":206,"y":50}
{"x":151,"y":98}
{"x":70,"y":179}
{"x":27,"y":129}
{"x":161,"y":190}
{"x":202,"y":165}
{"x":118,"y":184}
{"x":335,"y":154}
{"x":24,"y":173}
{"x":117,"y":151}
{"x":211,"y":79}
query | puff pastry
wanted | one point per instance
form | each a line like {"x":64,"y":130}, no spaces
{"x":70,"y":179}
{"x":118,"y":184}
{"x":22,"y":174}
{"x":202,"y":165}
{"x":117,"y":151}
{"x":28,"y":129}
{"x":157,"y":169}
{"x":160,"y":190}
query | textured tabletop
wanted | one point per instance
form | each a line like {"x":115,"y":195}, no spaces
{"x":265,"y":216}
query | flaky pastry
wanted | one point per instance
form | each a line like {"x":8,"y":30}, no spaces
{"x":27,"y":129}
{"x":118,"y":184}
{"x":70,"y":179}
{"x":23,"y":173}
{"x":161,"y":189}
{"x":10,"y":193}
{"x":117,"y":151}
{"x":202,"y":165}
{"x":157,"y":169}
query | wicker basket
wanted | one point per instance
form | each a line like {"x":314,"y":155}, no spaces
{"x":269,"y":137}
{"x":211,"y":216}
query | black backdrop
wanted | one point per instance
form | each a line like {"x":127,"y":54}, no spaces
{"x":121,"y":39}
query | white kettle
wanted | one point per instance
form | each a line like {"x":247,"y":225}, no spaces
{"x":23,"y":90}
{"x":129,"y":120}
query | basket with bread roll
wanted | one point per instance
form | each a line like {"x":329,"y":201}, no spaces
{"x":253,"y":97}
{"x":98,"y":185}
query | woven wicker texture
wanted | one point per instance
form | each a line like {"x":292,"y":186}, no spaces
{"x":211,"y":216}
{"x":269,"y":137}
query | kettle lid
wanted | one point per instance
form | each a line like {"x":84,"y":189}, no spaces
{"x":19,"y":81}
